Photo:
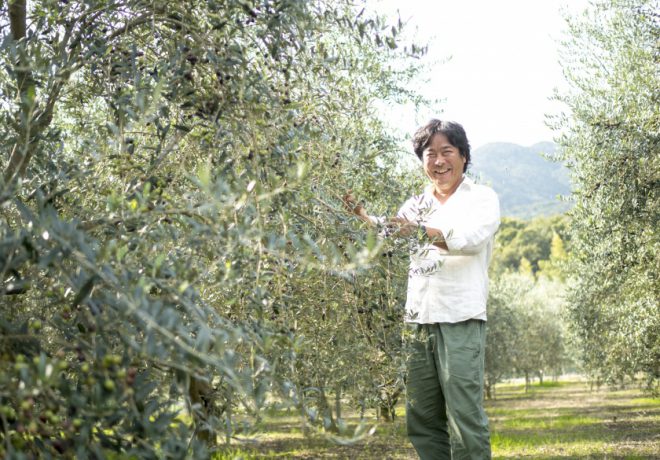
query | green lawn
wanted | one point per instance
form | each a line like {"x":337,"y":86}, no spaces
{"x":559,"y":420}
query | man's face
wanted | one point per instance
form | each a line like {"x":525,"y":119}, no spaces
{"x":443,"y":164}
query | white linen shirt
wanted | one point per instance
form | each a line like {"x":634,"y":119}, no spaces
{"x":448,"y":286}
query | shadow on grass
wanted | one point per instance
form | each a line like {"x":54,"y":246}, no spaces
{"x":586,"y":432}
{"x":612,"y":412}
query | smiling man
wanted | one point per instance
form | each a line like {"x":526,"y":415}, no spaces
{"x":446,"y":300}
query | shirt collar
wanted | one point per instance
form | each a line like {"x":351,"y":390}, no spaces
{"x":466,"y":184}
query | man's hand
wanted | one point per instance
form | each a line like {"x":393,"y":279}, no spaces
{"x":401,"y":226}
{"x":352,"y":206}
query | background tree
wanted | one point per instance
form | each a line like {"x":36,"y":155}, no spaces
{"x":503,"y":335}
{"x":555,"y":266}
{"x":610,"y":140}
{"x":526,"y":335}
{"x":532,"y":240}
{"x":540,"y":349}
{"x":526,"y":306}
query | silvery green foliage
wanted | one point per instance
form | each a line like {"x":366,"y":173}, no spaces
{"x":611,"y":143}
{"x":172,"y":250}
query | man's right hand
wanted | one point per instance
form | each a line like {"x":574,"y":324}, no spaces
{"x":352,"y":206}
{"x":401,"y":226}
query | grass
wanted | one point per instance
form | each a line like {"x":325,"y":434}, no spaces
{"x":572,"y":421}
{"x":556,"y":420}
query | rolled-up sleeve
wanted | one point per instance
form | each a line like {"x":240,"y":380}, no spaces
{"x":475,"y":229}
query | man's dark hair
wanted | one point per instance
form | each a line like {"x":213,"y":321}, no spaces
{"x":455,"y":135}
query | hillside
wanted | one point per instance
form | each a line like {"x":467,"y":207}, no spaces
{"x":527,"y":183}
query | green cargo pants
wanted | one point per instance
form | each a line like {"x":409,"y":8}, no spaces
{"x":444,"y":401}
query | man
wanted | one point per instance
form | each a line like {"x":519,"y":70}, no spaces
{"x":447,"y":293}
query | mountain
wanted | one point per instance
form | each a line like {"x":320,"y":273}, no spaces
{"x":528,"y":183}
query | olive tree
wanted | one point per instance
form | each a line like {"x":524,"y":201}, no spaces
{"x":170,"y":181}
{"x":502,"y":335}
{"x":526,"y":327}
{"x":610,"y":140}
{"x":526,"y":334}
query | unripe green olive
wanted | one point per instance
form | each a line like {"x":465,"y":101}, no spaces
{"x":111,"y":360}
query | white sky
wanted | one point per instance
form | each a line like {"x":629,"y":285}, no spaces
{"x":503,"y":67}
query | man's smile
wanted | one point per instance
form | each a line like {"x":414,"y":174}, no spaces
{"x":443,"y":171}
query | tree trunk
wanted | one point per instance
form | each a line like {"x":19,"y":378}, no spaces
{"x":338,"y":402}
{"x":201,"y":395}
{"x":388,"y":405}
{"x":326,"y":411}
{"x":526,"y":381}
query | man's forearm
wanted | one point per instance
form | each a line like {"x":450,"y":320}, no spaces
{"x":396,"y":226}
{"x":371,"y":220}
{"x":404,"y":227}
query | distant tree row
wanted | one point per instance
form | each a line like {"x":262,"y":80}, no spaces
{"x":527,"y":332}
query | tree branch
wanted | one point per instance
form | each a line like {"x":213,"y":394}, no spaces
{"x":143,"y":19}
{"x":18,"y":27}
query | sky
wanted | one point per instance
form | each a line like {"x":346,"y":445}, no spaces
{"x":494,"y":64}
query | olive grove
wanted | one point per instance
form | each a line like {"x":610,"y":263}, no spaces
{"x":174,"y":255}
